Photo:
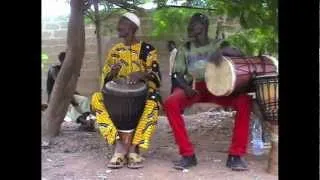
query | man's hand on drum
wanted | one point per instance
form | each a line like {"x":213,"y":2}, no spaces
{"x":115,"y":68}
{"x":135,"y":77}
{"x":216,"y":57}
{"x":231,"y":52}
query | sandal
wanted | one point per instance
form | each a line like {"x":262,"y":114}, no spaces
{"x":117,"y":161}
{"x":135,"y":161}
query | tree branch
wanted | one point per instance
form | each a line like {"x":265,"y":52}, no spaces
{"x":125,"y":5}
{"x":187,"y":7}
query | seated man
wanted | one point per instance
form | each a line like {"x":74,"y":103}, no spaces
{"x":192,"y":58}
{"x":79,"y":107}
{"x":136,"y":61}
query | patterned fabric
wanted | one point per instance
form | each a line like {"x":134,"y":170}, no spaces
{"x":106,"y":127}
{"x":133,"y":60}
{"x":138,"y":57}
{"x":145,"y":127}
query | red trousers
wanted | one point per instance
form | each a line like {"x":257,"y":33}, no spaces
{"x":178,"y":101}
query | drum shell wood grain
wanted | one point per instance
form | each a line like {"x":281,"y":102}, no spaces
{"x":243,"y":70}
{"x":125,"y":107}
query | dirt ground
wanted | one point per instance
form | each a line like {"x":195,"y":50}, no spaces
{"x":79,"y":155}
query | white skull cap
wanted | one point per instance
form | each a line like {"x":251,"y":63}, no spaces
{"x":133,"y":18}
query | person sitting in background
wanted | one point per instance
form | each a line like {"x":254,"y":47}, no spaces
{"x":79,"y":108}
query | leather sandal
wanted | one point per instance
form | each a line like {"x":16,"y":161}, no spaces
{"x":117,"y":161}
{"x":135,"y":161}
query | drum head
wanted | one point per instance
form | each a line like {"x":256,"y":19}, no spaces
{"x":220,"y":79}
{"x":120,"y":86}
{"x":274,"y":61}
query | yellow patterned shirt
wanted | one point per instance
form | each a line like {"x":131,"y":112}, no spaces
{"x":137,"y":57}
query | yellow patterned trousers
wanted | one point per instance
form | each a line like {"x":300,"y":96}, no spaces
{"x":144,"y":130}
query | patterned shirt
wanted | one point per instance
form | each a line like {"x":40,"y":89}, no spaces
{"x":137,"y":57}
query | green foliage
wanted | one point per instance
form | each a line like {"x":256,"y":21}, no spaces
{"x":160,"y":3}
{"x":105,"y":13}
{"x":196,"y":3}
{"x":88,"y":21}
{"x":44,"y":57}
{"x":258,"y":19}
{"x":166,"y":21}
{"x":255,"y":41}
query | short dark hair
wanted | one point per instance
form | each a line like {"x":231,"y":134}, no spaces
{"x":171,"y":43}
{"x":61,"y":56}
{"x":199,"y":17}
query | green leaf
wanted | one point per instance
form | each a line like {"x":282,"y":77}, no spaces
{"x":44,"y":57}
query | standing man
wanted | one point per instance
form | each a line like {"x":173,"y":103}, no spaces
{"x":80,"y":105}
{"x":136,"y":61}
{"x":192,"y":59}
{"x":173,"y":52}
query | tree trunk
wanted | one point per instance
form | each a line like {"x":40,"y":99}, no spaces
{"x":66,"y":81}
{"x":98,"y":35}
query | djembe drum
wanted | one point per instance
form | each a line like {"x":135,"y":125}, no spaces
{"x":267,"y":95}
{"x":235,"y":74}
{"x":125,"y":103}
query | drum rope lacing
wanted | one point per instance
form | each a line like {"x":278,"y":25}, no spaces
{"x":269,"y":107}
{"x":252,"y":67}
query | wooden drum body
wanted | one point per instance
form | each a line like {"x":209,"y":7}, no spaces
{"x":125,"y":103}
{"x":235,"y":74}
{"x":267,"y":94}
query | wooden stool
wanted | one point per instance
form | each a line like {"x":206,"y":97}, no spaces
{"x":272,"y":167}
{"x":273,"y":155}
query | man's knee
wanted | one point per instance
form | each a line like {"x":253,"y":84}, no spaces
{"x":174,"y":99}
{"x":81,"y":99}
{"x":97,"y":96}
{"x":169,"y":102}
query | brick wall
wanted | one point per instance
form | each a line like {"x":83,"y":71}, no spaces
{"x":54,"y":33}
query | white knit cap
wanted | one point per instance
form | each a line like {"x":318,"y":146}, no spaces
{"x":133,"y":18}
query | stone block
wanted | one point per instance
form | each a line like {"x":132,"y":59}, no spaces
{"x":90,"y":31}
{"x":64,"y":25}
{"x":62,"y":34}
{"x":52,"y":26}
{"x":91,"y":47}
{"x":91,"y":40}
{"x":46,"y":34}
{"x":53,"y":42}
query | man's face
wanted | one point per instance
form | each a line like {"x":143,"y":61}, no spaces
{"x":170,"y":47}
{"x":125,"y":27}
{"x":195,"y":28}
